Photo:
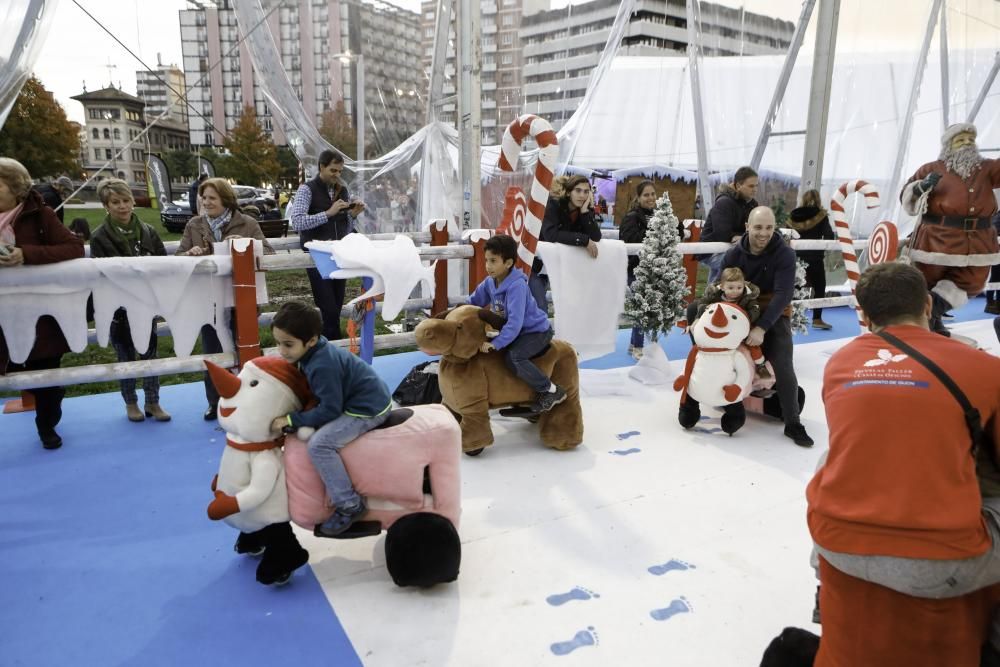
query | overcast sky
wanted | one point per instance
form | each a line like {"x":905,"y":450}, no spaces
{"x":78,"y":50}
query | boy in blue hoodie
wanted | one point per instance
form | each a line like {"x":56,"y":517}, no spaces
{"x":526,"y":332}
{"x":352,"y":401}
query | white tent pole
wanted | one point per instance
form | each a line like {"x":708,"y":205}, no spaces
{"x":782,"y":85}
{"x":945,"y":73}
{"x":974,"y":111}
{"x":819,"y":94}
{"x":469,"y":109}
{"x":890,"y":200}
{"x":694,"y":54}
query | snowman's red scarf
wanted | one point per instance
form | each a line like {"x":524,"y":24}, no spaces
{"x":256,"y":446}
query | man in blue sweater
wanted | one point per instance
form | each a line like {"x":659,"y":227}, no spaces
{"x":768,"y":262}
{"x":352,"y":400}
{"x":526,"y":333}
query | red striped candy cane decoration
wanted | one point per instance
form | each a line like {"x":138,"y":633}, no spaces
{"x":844,"y":231}
{"x":548,"y":153}
{"x":514,"y":210}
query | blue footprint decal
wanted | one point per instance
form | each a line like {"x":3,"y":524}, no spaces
{"x":625,"y":452}
{"x":670,"y":566}
{"x":626,"y":435}
{"x":586,"y":637}
{"x":577,"y":593}
{"x":678,"y":606}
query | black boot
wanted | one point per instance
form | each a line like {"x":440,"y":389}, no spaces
{"x":689,"y":413}
{"x":938,"y":308}
{"x":733,"y":418}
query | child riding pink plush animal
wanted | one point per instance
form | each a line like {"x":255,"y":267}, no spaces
{"x":408,"y":469}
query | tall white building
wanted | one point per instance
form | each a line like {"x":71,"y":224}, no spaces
{"x":500,"y":69}
{"x":385,"y":35}
{"x":162,"y":90}
{"x":561,"y":47}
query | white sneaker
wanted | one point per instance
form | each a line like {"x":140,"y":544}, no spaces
{"x":635,"y":352}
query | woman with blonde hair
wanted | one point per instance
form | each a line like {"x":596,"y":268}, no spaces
{"x":569,"y":219}
{"x":30,"y":234}
{"x":219,"y":219}
{"x":123,"y":235}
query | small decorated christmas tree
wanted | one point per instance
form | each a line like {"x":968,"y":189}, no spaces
{"x":799,"y":322}
{"x":656,"y":300}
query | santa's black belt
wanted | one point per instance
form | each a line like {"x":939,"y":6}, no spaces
{"x":958,"y":222}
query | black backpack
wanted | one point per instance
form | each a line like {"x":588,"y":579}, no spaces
{"x":419,"y":387}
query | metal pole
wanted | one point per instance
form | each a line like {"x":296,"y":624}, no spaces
{"x":974,"y":111}
{"x":890,"y":200}
{"x":819,"y":94}
{"x":439,"y":58}
{"x":782,"y":85}
{"x":704,"y":187}
{"x":360,"y":92}
{"x":945,"y":88}
{"x":469,"y":107}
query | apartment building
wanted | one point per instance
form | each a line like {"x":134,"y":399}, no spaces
{"x":560,"y":48}
{"x":163,"y":91}
{"x":308,"y":38}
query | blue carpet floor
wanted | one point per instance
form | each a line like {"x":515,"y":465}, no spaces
{"x":110,"y":559}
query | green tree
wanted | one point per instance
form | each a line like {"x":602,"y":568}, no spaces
{"x":288,"y":177}
{"x":182,"y":164}
{"x":38,"y":134}
{"x":336,"y":127}
{"x":252,"y":155}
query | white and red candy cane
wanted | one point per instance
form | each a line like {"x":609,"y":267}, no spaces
{"x":541,"y":131}
{"x":844,"y":231}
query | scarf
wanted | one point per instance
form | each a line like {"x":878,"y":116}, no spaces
{"x":126,"y":239}
{"x":7,"y":219}
{"x":218,"y":223}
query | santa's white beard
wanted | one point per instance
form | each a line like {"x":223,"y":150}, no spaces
{"x":963,"y":161}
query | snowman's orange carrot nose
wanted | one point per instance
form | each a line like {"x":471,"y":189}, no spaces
{"x":225,"y":382}
{"x":718,"y":318}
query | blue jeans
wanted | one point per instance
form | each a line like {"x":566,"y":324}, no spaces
{"x":519,"y":354}
{"x":538,"y":285}
{"x":714,"y":264}
{"x":324,"y":451}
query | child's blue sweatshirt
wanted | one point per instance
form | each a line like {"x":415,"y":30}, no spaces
{"x":511,"y":299}
{"x":343,"y":384}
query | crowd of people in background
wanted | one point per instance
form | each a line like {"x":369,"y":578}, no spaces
{"x":325,"y":209}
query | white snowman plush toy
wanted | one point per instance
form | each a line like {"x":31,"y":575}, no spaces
{"x":250,"y":493}
{"x":719,"y":370}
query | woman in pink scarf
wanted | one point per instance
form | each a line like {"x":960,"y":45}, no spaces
{"x":30,"y":233}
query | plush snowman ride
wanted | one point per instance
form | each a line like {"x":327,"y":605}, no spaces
{"x":250,"y":492}
{"x":719,"y":370}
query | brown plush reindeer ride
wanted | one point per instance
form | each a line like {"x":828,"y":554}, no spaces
{"x":473,"y":383}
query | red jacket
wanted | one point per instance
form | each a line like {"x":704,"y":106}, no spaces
{"x":900,"y":479}
{"x":43,"y":240}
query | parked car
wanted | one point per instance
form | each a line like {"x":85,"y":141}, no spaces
{"x":175,"y":216}
{"x":249,"y":196}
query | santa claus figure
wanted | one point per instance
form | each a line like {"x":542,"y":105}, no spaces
{"x":954,"y":245}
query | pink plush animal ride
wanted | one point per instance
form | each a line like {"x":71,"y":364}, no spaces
{"x":408,"y":471}
{"x":719,"y":370}
{"x":250,"y":486}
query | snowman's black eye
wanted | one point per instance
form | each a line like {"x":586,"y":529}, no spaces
{"x":734,"y":317}
{"x":253,"y":383}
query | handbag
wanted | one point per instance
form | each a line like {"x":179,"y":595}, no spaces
{"x":987,"y":469}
